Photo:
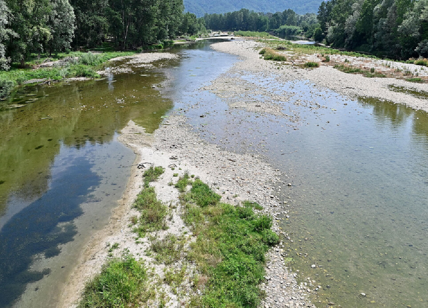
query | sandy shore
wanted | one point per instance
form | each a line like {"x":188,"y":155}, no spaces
{"x":235,"y":177}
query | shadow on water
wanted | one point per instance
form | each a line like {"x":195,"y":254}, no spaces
{"x":40,"y":228}
{"x":40,"y":199}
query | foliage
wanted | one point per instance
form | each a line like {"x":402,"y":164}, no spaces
{"x":254,"y":34}
{"x":153,"y":212}
{"x":202,"y":7}
{"x":152,"y":174}
{"x":6,"y":86}
{"x":392,"y":28}
{"x":229,"y":252}
{"x":202,"y":194}
{"x":122,"y":283}
{"x":183,"y":182}
{"x":168,"y":250}
{"x":270,"y":54}
{"x":311,"y":64}
{"x":422,"y":62}
{"x":286,"y":23}
{"x":354,"y":70}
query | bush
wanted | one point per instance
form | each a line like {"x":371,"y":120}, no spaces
{"x":326,"y":59}
{"x":423,"y":62}
{"x":270,"y":54}
{"x":90,"y":59}
{"x":6,"y":86}
{"x":312,"y":64}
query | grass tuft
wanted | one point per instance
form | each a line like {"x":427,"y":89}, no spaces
{"x":270,"y":54}
{"x":202,"y":194}
{"x":183,"y":182}
{"x":422,"y":62}
{"x":230,"y":253}
{"x":311,"y":64}
{"x":168,"y":250}
{"x":122,"y":283}
{"x":153,"y":212}
{"x":152,"y":175}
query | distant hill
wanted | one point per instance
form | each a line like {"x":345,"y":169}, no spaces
{"x":200,"y":7}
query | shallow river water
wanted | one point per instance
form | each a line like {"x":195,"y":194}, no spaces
{"x":358,"y":168}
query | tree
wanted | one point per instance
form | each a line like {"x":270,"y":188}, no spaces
{"x":62,"y":24}
{"x":5,"y":35}
{"x":30,"y":24}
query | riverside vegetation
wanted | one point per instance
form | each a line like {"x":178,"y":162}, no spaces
{"x":35,"y":32}
{"x":222,"y":259}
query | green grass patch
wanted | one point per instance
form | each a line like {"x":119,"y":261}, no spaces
{"x":183,"y":182}
{"x":417,"y":80}
{"x":168,"y":250}
{"x":254,"y":205}
{"x":311,"y":64}
{"x":355,"y":70}
{"x":229,"y":250}
{"x":415,"y":93}
{"x":263,"y":35}
{"x":422,"y":62}
{"x":152,"y":174}
{"x":270,"y":54}
{"x":153,"y":212}
{"x":85,"y":65}
{"x":202,"y":195}
{"x":122,"y":283}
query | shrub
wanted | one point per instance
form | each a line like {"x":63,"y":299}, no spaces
{"x":6,"y":86}
{"x":90,"y":59}
{"x":312,"y":64}
{"x":326,"y":59}
{"x":423,"y":62}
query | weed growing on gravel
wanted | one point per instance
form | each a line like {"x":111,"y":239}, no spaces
{"x":122,"y":283}
{"x":229,"y":250}
{"x":152,"y":174}
{"x":153,"y":212}
{"x":355,"y":70}
{"x":254,"y":205}
{"x":423,"y":62}
{"x":270,"y":54}
{"x":311,"y":64}
{"x":417,"y":80}
{"x":168,"y":250}
{"x":202,"y":195}
{"x":416,"y":93}
{"x":183,"y":182}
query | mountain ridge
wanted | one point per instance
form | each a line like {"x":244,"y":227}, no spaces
{"x":201,"y":7}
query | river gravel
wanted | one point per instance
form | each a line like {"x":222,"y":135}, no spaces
{"x":236,"y":177}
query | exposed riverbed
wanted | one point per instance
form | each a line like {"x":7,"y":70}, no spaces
{"x":353,"y":218}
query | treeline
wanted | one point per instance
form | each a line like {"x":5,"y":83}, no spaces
{"x":283,"y":24}
{"x":51,"y":26}
{"x":391,"y":28}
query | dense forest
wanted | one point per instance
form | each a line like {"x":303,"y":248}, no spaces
{"x":202,"y":7}
{"x":282,"y":24}
{"x":51,"y":26}
{"x":391,"y":28}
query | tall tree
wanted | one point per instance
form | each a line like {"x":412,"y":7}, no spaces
{"x":5,"y":34}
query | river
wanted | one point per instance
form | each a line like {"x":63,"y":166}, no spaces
{"x":358,"y":168}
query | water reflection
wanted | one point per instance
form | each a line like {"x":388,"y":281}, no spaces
{"x":40,"y":228}
{"x":72,"y":114}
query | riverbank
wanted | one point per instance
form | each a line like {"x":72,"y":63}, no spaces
{"x":178,"y":150}
{"x":235,"y":177}
{"x":353,"y":86}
